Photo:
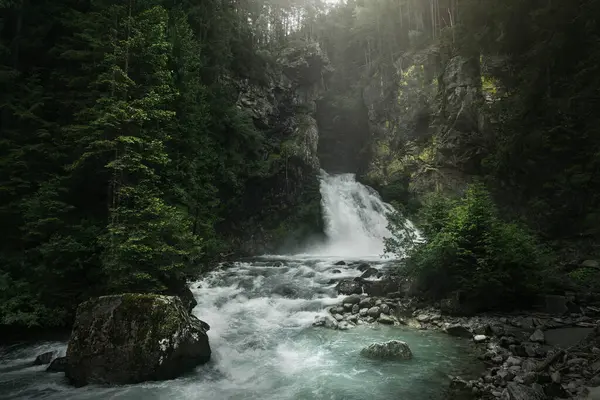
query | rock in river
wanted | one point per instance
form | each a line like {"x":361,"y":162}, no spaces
{"x":392,"y":350}
{"x":374,"y":312}
{"x":537,"y":336}
{"x":352,"y":299}
{"x":44,"y":358}
{"x":59,"y":364}
{"x":131,"y":338}
{"x":459,"y":331}
{"x":515,"y":391}
{"x":363,"y":267}
{"x":349,"y":286}
{"x":385,"y":319}
{"x":369,"y":273}
{"x":326,"y":321}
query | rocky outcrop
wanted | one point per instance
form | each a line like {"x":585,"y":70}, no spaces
{"x":462,"y":94}
{"x":282,"y":207}
{"x":132,"y":338}
{"x":392,"y":350}
{"x":288,"y":100}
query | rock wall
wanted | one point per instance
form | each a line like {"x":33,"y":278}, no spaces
{"x":284,"y":204}
{"x":426,"y":123}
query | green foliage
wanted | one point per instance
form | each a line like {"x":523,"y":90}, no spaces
{"x":470,"y":250}
{"x":121,"y":147}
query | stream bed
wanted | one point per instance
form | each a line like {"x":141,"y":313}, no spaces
{"x":265,"y":347}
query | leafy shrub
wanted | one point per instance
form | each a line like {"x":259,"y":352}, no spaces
{"x":470,"y":250}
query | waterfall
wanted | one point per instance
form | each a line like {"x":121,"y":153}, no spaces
{"x":355,"y":218}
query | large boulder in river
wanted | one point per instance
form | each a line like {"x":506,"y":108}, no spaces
{"x":392,"y":350}
{"x":131,"y":338}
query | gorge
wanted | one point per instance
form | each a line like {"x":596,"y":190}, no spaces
{"x":259,"y":158}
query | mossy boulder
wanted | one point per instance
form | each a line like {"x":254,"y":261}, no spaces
{"x":391,"y":350}
{"x":131,"y":338}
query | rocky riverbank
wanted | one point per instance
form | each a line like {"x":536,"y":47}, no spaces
{"x":550,"y":353}
{"x":528,"y":355}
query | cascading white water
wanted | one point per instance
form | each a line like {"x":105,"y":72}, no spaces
{"x":355,"y":218}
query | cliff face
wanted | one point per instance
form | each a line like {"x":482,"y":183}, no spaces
{"x":406,"y":133}
{"x":283,"y":204}
{"x":426,"y":121}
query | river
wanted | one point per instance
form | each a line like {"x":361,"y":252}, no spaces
{"x":264,"y":345}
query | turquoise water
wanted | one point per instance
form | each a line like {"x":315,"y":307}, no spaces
{"x":264,"y":346}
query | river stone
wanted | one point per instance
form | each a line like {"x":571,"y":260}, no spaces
{"x":44,"y":358}
{"x":353,"y":299}
{"x":349,"y":286}
{"x":344,"y":326}
{"x":385,"y":319}
{"x":369,"y":273}
{"x":338,"y":317}
{"x":347,"y":307}
{"x":367,"y":302}
{"x":336,"y":271}
{"x":513,"y":361}
{"x":459,"y":331}
{"x":532,"y":350}
{"x":132,"y":338}
{"x":423,"y":318}
{"x":480,"y":338}
{"x":374,"y":312}
{"x":392,"y":350}
{"x":59,"y":364}
{"x":340,"y":263}
{"x":363,"y":267}
{"x":529,"y":365}
{"x":515,"y":391}
{"x":355,"y":309}
{"x":537,"y":336}
{"x":351,"y":318}
{"x":385,"y":308}
{"x":326,"y":321}
{"x":363,"y":312}
{"x":338,"y":310}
